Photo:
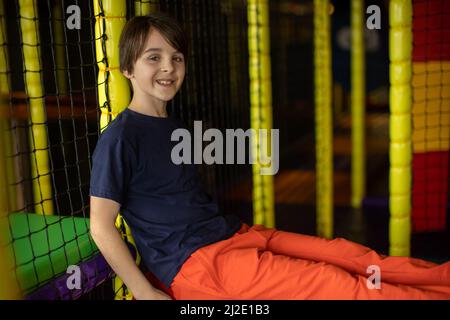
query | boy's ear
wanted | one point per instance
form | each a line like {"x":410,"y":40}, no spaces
{"x":127,"y":74}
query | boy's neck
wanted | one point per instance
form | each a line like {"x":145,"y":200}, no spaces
{"x":157,"y":109}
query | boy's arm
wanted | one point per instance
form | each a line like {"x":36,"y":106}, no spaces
{"x":107,"y":238}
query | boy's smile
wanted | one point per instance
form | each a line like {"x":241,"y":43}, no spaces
{"x":158,"y":73}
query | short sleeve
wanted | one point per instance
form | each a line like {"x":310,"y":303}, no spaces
{"x":111,"y":169}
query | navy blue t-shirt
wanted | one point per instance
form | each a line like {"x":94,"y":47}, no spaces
{"x":166,"y":206}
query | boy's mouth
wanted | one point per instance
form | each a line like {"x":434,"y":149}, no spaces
{"x":165,"y":83}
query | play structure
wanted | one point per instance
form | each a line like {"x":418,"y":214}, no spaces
{"x":61,"y":86}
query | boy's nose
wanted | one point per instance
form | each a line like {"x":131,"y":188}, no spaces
{"x":167,"y":66}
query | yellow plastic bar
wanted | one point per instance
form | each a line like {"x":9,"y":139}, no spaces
{"x":40,"y":171}
{"x":4,"y":81}
{"x":324,"y":124}
{"x":4,"y":68}
{"x":9,"y":288}
{"x":146,"y":7}
{"x":260,"y":106}
{"x":59,"y":47}
{"x":5,"y":134}
{"x":113,"y":89}
{"x":358,"y":103}
{"x":400,"y":150}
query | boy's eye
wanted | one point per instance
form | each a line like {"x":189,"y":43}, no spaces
{"x":178,"y":59}
{"x":153,"y":58}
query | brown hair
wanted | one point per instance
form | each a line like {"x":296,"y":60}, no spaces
{"x":136,"y":30}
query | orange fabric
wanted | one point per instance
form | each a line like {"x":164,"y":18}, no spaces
{"x":262,"y":263}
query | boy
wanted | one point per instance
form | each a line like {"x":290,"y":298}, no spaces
{"x":192,"y":249}
{"x":169,"y":213}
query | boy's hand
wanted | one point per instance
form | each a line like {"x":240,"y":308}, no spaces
{"x":153,"y":294}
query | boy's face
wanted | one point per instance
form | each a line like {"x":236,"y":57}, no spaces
{"x":159,"y":71}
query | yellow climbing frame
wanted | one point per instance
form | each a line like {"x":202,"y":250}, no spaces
{"x":358,"y":103}
{"x":400,"y":150}
{"x":40,"y":170}
{"x":323,"y":116}
{"x":9,"y":288}
{"x":260,"y":107}
{"x":5,"y":133}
